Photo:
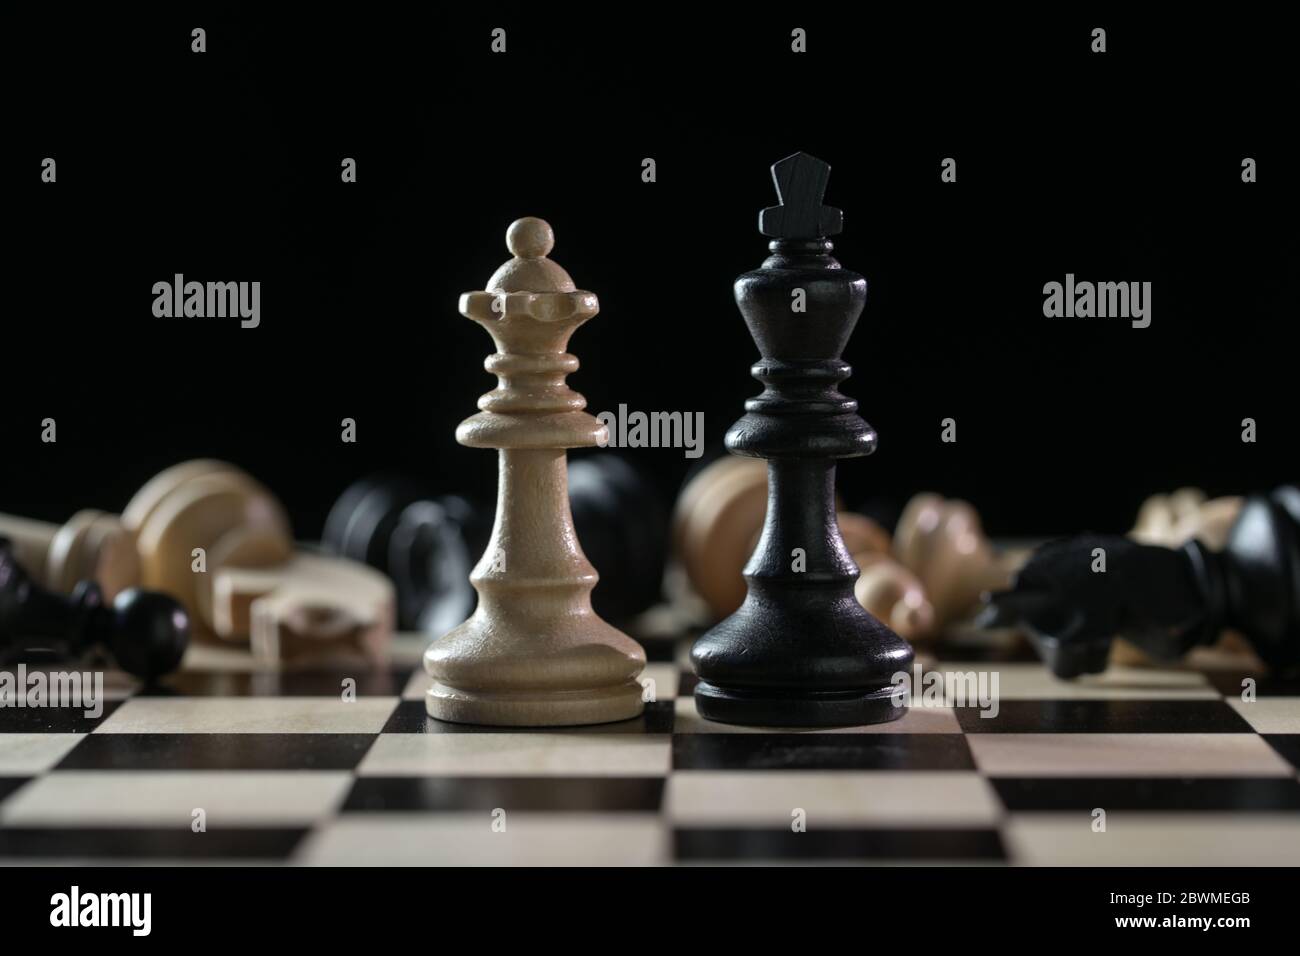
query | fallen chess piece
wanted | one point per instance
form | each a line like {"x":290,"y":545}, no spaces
{"x":1165,"y":601}
{"x":196,"y":520}
{"x":893,"y":595}
{"x":622,"y":523}
{"x":311,"y":606}
{"x":145,"y":632}
{"x":428,"y":545}
{"x":256,"y":586}
{"x":717,"y":524}
{"x":1171,"y":520}
{"x":91,"y":545}
{"x":196,"y":531}
{"x":1174,"y":519}
{"x":942,"y":542}
{"x":889,"y":591}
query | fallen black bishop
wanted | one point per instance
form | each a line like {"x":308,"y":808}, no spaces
{"x":800,"y":651}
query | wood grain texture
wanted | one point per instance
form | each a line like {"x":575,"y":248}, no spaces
{"x":534,"y":653}
{"x":200,"y":513}
{"x":942,"y":542}
{"x":801,"y":650}
{"x":309,"y":605}
{"x":717,"y":524}
{"x":89,"y":546}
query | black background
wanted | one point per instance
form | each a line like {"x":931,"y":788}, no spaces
{"x":308,"y":907}
{"x":225,"y":166}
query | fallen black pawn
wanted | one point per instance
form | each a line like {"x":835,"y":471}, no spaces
{"x":145,"y":632}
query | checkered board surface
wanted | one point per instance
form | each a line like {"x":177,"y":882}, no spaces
{"x":286,"y":771}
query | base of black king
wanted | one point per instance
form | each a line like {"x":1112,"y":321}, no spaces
{"x":801,"y":651}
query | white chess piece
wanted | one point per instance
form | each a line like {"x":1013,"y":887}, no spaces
{"x":534,"y":653}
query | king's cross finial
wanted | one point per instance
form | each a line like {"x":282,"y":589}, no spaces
{"x":800,"y":184}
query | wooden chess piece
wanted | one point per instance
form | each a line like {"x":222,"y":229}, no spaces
{"x":253,"y":585}
{"x":622,"y":523}
{"x":195,"y":520}
{"x":428,"y":544}
{"x":863,"y":535}
{"x":209,"y":535}
{"x":425,"y":544}
{"x":90,"y":546}
{"x":311,"y":606}
{"x":534,"y":653}
{"x":151,"y":544}
{"x":889,"y":591}
{"x":800,"y":651}
{"x":942,"y":542}
{"x":1171,"y":520}
{"x":894,"y":595}
{"x":1165,"y":601}
{"x":1174,"y":519}
{"x":145,"y":632}
{"x":717,"y":525}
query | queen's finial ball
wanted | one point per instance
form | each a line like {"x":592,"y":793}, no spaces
{"x":530,"y":238}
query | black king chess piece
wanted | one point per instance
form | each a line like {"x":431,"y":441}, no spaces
{"x":800,"y":651}
{"x":146,"y":632}
{"x":1164,"y":600}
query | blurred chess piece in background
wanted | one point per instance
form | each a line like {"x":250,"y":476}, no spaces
{"x":428,"y":543}
{"x":716,"y":526}
{"x":1174,"y":519}
{"x":1172,"y":601}
{"x":942,"y":541}
{"x":1171,"y":520}
{"x":145,"y":633}
{"x":212,"y":537}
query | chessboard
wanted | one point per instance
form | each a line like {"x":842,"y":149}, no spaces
{"x":1136,"y":766}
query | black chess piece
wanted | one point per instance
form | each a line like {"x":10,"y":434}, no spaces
{"x":1166,"y":601}
{"x":800,"y":651}
{"x":622,"y":525}
{"x":428,"y":545}
{"x":425,"y":544}
{"x":145,"y":632}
